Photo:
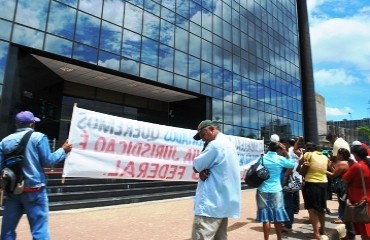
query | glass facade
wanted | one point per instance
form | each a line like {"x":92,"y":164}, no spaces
{"x":243,"y":55}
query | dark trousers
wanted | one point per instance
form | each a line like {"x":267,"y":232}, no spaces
{"x":289,"y":208}
{"x":297,"y":201}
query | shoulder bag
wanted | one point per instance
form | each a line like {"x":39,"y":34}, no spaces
{"x":358,"y":212}
{"x":293,"y":184}
{"x":257,"y":174}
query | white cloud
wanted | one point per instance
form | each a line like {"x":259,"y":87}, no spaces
{"x":327,"y":77}
{"x":338,"y":111}
{"x":342,"y":40}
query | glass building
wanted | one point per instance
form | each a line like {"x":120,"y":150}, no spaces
{"x":246,"y":63}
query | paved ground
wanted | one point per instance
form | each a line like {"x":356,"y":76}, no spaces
{"x":163,"y":220}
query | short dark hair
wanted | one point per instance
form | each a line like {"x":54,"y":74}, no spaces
{"x":274,"y":146}
{"x":330,"y":136}
{"x":291,"y":142}
{"x":311,"y":146}
{"x":344,"y":152}
{"x":360,"y":151}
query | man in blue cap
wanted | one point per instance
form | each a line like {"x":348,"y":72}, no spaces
{"x":218,"y":196}
{"x":33,"y":200}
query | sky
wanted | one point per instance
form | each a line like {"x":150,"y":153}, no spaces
{"x":340,"y":45}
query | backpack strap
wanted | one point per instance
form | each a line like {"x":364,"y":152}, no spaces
{"x":25,"y":138}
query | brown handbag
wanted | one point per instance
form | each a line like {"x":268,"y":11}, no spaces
{"x":358,"y":212}
{"x":303,"y":168}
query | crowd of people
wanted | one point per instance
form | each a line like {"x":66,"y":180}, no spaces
{"x":295,"y":167}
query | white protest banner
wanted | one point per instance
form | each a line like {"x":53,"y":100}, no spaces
{"x":106,"y":146}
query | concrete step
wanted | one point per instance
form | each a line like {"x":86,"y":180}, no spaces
{"x":110,"y":201}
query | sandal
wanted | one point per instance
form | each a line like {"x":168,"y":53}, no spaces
{"x":337,"y":221}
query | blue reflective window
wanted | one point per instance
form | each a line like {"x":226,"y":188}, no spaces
{"x":151,"y":26}
{"x":206,"y":89}
{"x":228,"y":80}
{"x":218,"y":76}
{"x":182,"y":39}
{"x":133,"y":18}
{"x":168,"y":15}
{"x":166,"y":56}
{"x":228,"y":112}
{"x":148,"y":72}
{"x":217,"y":56}
{"x":170,"y":4}
{"x":217,"y":109}
{"x":182,"y":8}
{"x":93,"y":7}
{"x":87,"y":30}
{"x":206,"y":51}
{"x":130,"y":66}
{"x":237,"y":114}
{"x":194,"y":68}
{"x":32,"y":13}
{"x":206,"y":74}
{"x":182,"y":22}
{"x":110,"y":39}
{"x":72,"y":3}
{"x":61,"y":20}
{"x":226,"y":12}
{"x":180,"y":82}
{"x":217,"y":93}
{"x":254,"y":119}
{"x":235,"y":18}
{"x":207,"y":35}
{"x":28,"y":37}
{"x":245,"y":117}
{"x":5,"y":27}
{"x":181,"y":63}
{"x":149,"y":52}
{"x":131,"y":45}
{"x":152,"y":7}
{"x":85,"y":53}
{"x":207,"y":19}
{"x":194,"y":45}
{"x":195,"y":12}
{"x":217,"y":25}
{"x":167,"y":35}
{"x":58,"y":45}
{"x":194,"y":86}
{"x":113,"y":11}
{"x":4,"y":47}
{"x":138,"y":3}
{"x":165,"y":77}
{"x":109,"y":60}
{"x":7,"y":9}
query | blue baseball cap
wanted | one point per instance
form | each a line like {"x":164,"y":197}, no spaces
{"x":26,"y":117}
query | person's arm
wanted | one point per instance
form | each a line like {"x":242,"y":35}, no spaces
{"x":296,"y":149}
{"x":339,"y":169}
{"x":48,"y":158}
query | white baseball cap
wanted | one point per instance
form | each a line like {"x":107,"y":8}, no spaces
{"x":356,"y":143}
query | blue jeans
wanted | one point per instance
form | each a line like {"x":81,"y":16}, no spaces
{"x":341,"y":207}
{"x":289,"y":202}
{"x":36,"y":207}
